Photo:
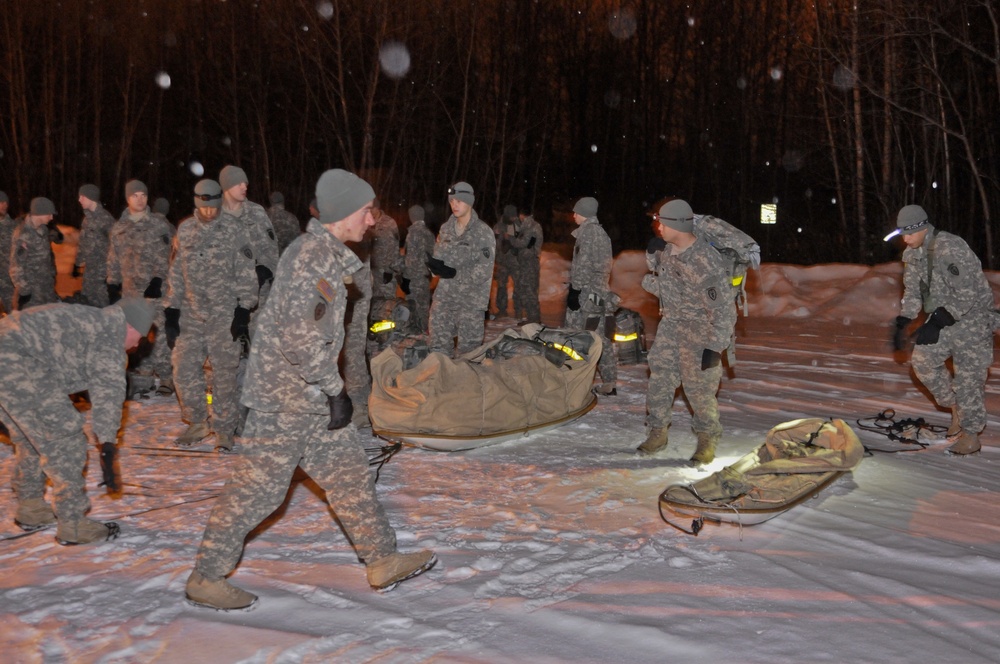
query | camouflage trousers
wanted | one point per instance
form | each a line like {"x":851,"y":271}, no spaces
{"x":95,"y":288}
{"x":278,"y":443}
{"x":673,"y":364}
{"x":505,"y":270}
{"x":153,"y":357}
{"x":357,"y":375}
{"x":200,"y":341}
{"x":47,"y":433}
{"x":595,"y":321}
{"x":450,"y":321}
{"x":526,"y":288}
{"x":39,"y":297}
{"x":969,"y":343}
{"x":6,"y":294}
{"x":419,"y":301}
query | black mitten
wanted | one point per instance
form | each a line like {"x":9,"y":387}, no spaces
{"x":341,"y":410}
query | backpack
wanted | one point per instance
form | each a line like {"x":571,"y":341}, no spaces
{"x":741,"y":251}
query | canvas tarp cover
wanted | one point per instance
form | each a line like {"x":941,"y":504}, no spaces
{"x":475,"y":395}
{"x":795,"y":458}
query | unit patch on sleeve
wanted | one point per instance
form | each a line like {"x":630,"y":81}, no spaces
{"x":320,"y":310}
{"x":712,"y":294}
{"x":953,"y":269}
{"x":248,"y":252}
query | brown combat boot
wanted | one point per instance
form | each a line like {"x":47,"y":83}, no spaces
{"x":655,"y":441}
{"x":223,"y":443}
{"x":85,"y":531}
{"x":967,"y":443}
{"x":34,"y":514}
{"x":217,"y":594}
{"x":385,"y":573}
{"x":705,"y":452}
{"x":194,"y":434}
{"x":955,"y":427}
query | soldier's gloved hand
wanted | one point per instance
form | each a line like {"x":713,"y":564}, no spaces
{"x":155,"y":289}
{"x":531,"y":242}
{"x":573,"y":299}
{"x":656,"y":244}
{"x":263,"y":274}
{"x":55,"y":235}
{"x":438,"y":267}
{"x":930,"y":331}
{"x":172,"y":325}
{"x":22,"y":301}
{"x":77,"y":271}
{"x":404,"y":285}
{"x":240,"y":328}
{"x":386,"y":277}
{"x":110,"y":476}
{"x":341,"y":410}
{"x":900,"y":337}
{"x":710,"y":358}
{"x":114,"y":293}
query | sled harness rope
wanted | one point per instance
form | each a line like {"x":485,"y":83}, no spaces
{"x":906,"y":431}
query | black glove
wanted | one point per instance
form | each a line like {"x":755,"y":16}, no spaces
{"x":573,"y":299}
{"x":22,"y":301}
{"x":531,"y":242}
{"x":55,"y":235}
{"x":77,"y":271}
{"x":929,"y":332}
{"x":656,"y":244}
{"x":386,"y":277}
{"x":404,"y":285}
{"x":900,"y":337}
{"x":154,"y":289}
{"x":114,"y":293}
{"x":710,"y":358}
{"x":263,"y":274}
{"x":240,"y":328}
{"x":438,"y":267}
{"x":341,"y":410}
{"x":172,"y":325}
{"x":111,"y":482}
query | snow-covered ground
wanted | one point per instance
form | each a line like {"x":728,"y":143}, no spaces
{"x":551,"y":548}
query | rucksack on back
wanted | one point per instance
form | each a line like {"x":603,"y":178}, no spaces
{"x":741,"y":250}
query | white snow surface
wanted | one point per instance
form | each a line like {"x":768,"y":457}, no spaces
{"x":551,"y":548}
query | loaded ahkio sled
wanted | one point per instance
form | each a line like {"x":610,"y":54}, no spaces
{"x":797,"y":460}
{"x":525,"y":381}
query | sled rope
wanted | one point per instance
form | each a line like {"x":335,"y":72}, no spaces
{"x":905,"y":431}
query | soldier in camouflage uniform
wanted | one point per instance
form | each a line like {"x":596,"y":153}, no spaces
{"x":210,"y":292}
{"x":529,"y":245}
{"x":300,"y":414}
{"x":697,"y":321}
{"x":285,"y":224}
{"x":590,"y":303}
{"x":416,"y":281}
{"x":507,"y":230}
{"x":138,"y":263}
{"x":944,"y":278}
{"x":92,"y":254}
{"x":463,"y":259}
{"x":253,"y":218}
{"x":46,"y":354}
{"x":357,"y":374}
{"x":7,"y":226}
{"x":386,"y":263}
{"x":32,"y":265}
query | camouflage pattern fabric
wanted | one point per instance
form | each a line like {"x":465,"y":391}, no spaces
{"x":138,"y":253}
{"x":32,"y":265}
{"x":697,"y":312}
{"x":211,"y":274}
{"x":46,"y":354}
{"x":945,"y":272}
{"x":92,"y":255}
{"x":529,"y":244}
{"x":357,"y":376}
{"x":386,"y":262}
{"x":285,"y":224}
{"x":459,"y":305}
{"x":255,"y":223}
{"x":7,"y":226}
{"x":506,"y":230}
{"x":282,"y":441}
{"x":590,"y":273}
{"x":419,"y":247}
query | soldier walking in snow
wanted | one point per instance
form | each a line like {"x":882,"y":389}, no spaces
{"x":463,"y":259}
{"x":507,"y":231}
{"x":300,"y":415}
{"x":285,"y":224}
{"x":697,"y":322}
{"x":211,"y":290}
{"x":92,"y":252}
{"x":138,"y":263}
{"x":590,"y":303}
{"x":944,"y":278}
{"x":46,"y":354}
{"x":416,"y":281}
{"x":32,"y":265}
{"x":7,"y":227}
